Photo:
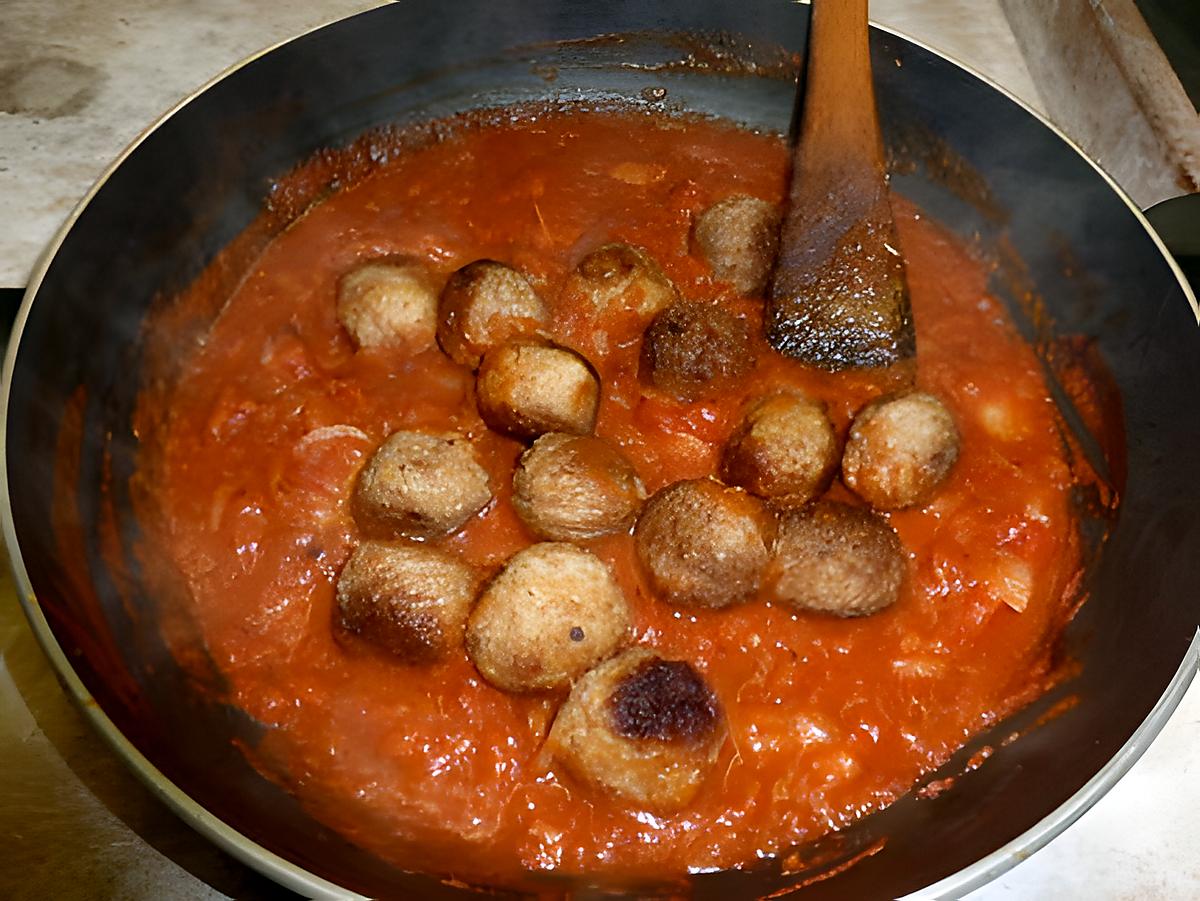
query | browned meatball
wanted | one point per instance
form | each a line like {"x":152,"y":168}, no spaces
{"x":484,"y":304}
{"x":703,"y":544}
{"x":785,"y":450}
{"x":553,"y":611}
{"x":617,"y":277}
{"x":833,"y":558}
{"x":739,"y":236}
{"x":645,"y":729}
{"x":409,"y":599}
{"x":568,"y":487}
{"x":388,"y":303}
{"x":527,"y":388}
{"x":694,"y":350}
{"x":420,"y":486}
{"x":901,"y":447}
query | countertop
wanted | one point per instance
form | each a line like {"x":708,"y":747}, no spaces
{"x":78,"y":81}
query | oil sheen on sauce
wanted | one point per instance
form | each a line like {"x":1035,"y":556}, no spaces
{"x":829,"y":719}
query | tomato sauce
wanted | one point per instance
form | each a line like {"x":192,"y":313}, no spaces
{"x":274,"y":413}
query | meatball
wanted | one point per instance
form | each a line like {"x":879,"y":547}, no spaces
{"x":420,"y":486}
{"x":484,"y":304}
{"x":568,"y":487}
{"x":833,"y":558}
{"x":784,"y":450}
{"x":526,"y":389}
{"x":901,"y":447}
{"x":739,"y":236}
{"x":643,"y":728}
{"x":703,"y":544}
{"x":409,"y":599}
{"x":388,"y":304}
{"x":620,"y":278}
{"x":693,"y":350}
{"x":553,"y":612}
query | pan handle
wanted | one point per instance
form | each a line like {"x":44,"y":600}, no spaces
{"x":10,"y":302}
{"x":1177,"y":221}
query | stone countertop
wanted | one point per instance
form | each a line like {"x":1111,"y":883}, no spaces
{"x":79,"y":81}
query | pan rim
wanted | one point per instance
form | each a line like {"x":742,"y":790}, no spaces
{"x":295,"y":877}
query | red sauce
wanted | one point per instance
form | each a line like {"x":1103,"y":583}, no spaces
{"x":828,"y":719}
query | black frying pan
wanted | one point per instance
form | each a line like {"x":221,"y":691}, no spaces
{"x":196,"y":180}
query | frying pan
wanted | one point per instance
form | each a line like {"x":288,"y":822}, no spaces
{"x":971,"y":156}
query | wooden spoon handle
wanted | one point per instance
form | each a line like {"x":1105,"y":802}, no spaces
{"x":839,"y":297}
{"x":839,"y":126}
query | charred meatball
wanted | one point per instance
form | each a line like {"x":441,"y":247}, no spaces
{"x":739,"y":236}
{"x":568,"y":487}
{"x":553,"y":611}
{"x":901,"y":447}
{"x":620,"y":278}
{"x":388,"y":303}
{"x":527,"y":389}
{"x":645,"y":729}
{"x":694,"y":350}
{"x":420,"y":486}
{"x":484,"y":304}
{"x":703,"y":544}
{"x":785,"y":450}
{"x":833,"y":558}
{"x":409,"y":599}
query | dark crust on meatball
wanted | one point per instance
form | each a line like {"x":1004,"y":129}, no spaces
{"x":570,"y":487}
{"x":703,"y":544}
{"x":900,"y":449}
{"x":692,"y":350}
{"x":739,"y":236}
{"x":408,"y":599}
{"x":527,"y":388}
{"x":665,"y":700}
{"x":659,"y":773}
{"x":834,"y":558}
{"x":785,"y":450}
{"x":412,"y":635}
{"x":486,"y":286}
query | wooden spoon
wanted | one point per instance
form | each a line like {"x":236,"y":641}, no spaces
{"x":839,"y":298}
